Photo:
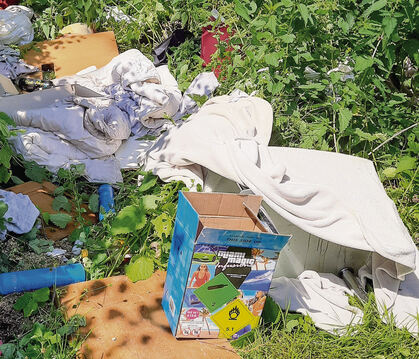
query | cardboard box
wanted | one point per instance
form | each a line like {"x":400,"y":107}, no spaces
{"x":73,"y":53}
{"x":220,"y":267}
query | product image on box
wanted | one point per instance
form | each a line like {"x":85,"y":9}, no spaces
{"x":221,"y":265}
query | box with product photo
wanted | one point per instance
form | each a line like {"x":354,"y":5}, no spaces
{"x":221,"y":264}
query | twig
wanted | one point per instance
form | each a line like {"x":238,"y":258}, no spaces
{"x":378,"y":44}
{"x":395,"y":135}
{"x":334,"y":121}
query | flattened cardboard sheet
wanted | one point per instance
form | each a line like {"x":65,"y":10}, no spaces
{"x":126,"y":320}
{"x":73,"y":53}
{"x":41,"y":195}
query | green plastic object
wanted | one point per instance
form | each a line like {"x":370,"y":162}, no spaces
{"x":216,"y":292}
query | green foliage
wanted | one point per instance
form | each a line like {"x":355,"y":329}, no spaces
{"x":39,"y":245}
{"x":61,"y":202}
{"x":35,"y":172}
{"x":45,"y":342}
{"x":141,"y":228}
{"x":59,"y":219}
{"x":94,"y":202}
{"x":6,"y":152}
{"x":140,"y":268}
{"x":30,"y":301}
{"x":292,"y":335}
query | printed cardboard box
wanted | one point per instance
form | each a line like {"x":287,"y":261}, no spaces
{"x":220,"y":267}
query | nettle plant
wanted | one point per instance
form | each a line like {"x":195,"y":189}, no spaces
{"x":136,"y":240}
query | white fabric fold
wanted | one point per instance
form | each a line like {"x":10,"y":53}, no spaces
{"x":322,"y":296}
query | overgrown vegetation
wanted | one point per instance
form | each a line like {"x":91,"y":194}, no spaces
{"x":340,"y":75}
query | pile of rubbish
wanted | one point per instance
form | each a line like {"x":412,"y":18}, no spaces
{"x":123,"y":111}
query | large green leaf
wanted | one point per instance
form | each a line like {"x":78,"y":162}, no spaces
{"x":389,"y":24}
{"x":150,"y":201}
{"x":162,"y":225}
{"x":287,"y":38}
{"x":41,"y":295}
{"x":30,"y":308}
{"x":129,"y":219}
{"x":94,"y":203}
{"x":406,"y":163}
{"x":5,"y":118}
{"x":362,"y":63}
{"x":3,"y":208}
{"x":304,"y":12}
{"x":22,"y":301}
{"x":345,"y":116}
{"x":60,"y":219}
{"x":61,"y":202}
{"x":376,"y":5}
{"x":35,"y":172}
{"x":139,"y":268}
{"x":241,"y":10}
{"x":148,"y":182}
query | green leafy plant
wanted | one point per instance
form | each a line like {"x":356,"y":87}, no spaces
{"x":6,"y":152}
{"x":30,"y":301}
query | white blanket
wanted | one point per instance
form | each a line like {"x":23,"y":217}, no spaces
{"x":336,"y":197}
{"x":128,"y":94}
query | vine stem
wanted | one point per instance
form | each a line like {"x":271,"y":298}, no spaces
{"x":334,"y":121}
{"x":378,"y":44}
{"x":392,"y":137}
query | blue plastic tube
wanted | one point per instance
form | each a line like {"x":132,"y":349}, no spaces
{"x":106,"y":199}
{"x":41,"y":278}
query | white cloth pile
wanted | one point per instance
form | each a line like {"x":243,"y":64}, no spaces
{"x":336,"y":197}
{"x":128,"y":95}
{"x":322,"y":296}
{"x":15,"y":25}
{"x":21,"y":213}
{"x":15,"y":29}
{"x":11,"y":65}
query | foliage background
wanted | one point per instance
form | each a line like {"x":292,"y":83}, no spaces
{"x":272,"y":44}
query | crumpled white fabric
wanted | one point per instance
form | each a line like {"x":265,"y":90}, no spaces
{"x":21,"y":210}
{"x":11,"y":65}
{"x":92,"y":131}
{"x":15,"y":25}
{"x":322,"y":296}
{"x":127,"y":95}
{"x":56,"y":132}
{"x":399,"y":299}
{"x":145,"y":93}
{"x":336,"y":197}
{"x":53,"y":152}
{"x":204,"y":84}
{"x":130,"y":150}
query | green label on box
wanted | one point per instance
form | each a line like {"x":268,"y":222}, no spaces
{"x":216,"y":292}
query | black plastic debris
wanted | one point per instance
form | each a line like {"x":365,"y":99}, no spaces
{"x":161,"y":51}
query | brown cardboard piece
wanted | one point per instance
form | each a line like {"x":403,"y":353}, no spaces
{"x":73,"y":53}
{"x":41,"y":195}
{"x":126,"y":320}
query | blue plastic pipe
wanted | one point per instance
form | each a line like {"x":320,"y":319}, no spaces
{"x":41,"y":278}
{"x":106,"y":199}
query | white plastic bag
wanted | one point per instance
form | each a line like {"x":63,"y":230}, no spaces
{"x":15,"y":26}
